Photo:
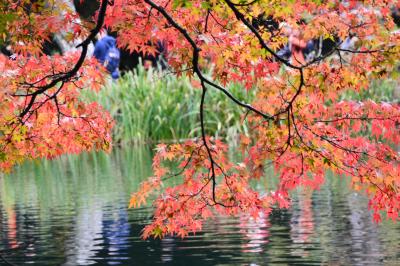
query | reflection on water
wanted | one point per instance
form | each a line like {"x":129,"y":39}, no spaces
{"x":255,"y":233}
{"x":73,"y":211}
{"x":302,"y":224}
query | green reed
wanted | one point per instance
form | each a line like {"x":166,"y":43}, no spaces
{"x":156,"y":106}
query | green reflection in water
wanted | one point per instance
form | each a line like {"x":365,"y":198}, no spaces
{"x":73,"y":210}
{"x":74,"y":180}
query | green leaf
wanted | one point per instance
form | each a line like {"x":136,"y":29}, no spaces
{"x":181,"y":3}
{"x":327,"y":161}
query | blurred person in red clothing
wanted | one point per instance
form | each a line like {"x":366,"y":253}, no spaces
{"x":297,"y":45}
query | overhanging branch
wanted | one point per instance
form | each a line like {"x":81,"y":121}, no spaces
{"x":66,"y":76}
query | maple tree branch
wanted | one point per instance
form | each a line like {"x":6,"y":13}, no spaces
{"x":216,"y":21}
{"x":331,"y":161}
{"x":362,"y":118}
{"x":358,"y":51}
{"x":204,"y":81}
{"x":49,"y":97}
{"x":264,"y":45}
{"x":66,"y":76}
{"x":203,"y":135}
{"x":189,"y":197}
{"x":208,"y":149}
{"x":195,"y":61}
{"x":176,"y":72}
{"x":58,"y":110}
{"x":288,"y":108}
{"x":185,"y":166}
{"x":248,"y":24}
{"x":206,"y":21}
{"x":245,"y":4}
{"x":340,"y":147}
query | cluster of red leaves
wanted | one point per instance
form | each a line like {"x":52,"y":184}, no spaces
{"x":31,"y":23}
{"x":183,"y":208}
{"x":58,"y":122}
{"x":41,"y":114}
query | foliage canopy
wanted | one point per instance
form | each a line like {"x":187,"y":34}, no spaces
{"x":298,"y":124}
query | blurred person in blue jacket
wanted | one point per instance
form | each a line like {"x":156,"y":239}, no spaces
{"x":107,"y":53}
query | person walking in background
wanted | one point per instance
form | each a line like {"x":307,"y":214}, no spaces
{"x":297,"y":45}
{"x":107,"y":53}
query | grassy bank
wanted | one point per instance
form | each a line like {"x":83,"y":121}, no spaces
{"x":154,"y":106}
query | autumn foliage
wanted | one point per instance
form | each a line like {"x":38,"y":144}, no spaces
{"x":299,"y":123}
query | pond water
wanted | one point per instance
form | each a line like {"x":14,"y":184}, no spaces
{"x":73,"y":211}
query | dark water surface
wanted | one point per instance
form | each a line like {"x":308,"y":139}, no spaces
{"x":73,"y":211}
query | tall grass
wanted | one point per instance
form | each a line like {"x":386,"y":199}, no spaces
{"x":155,"y":106}
{"x":378,"y":90}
